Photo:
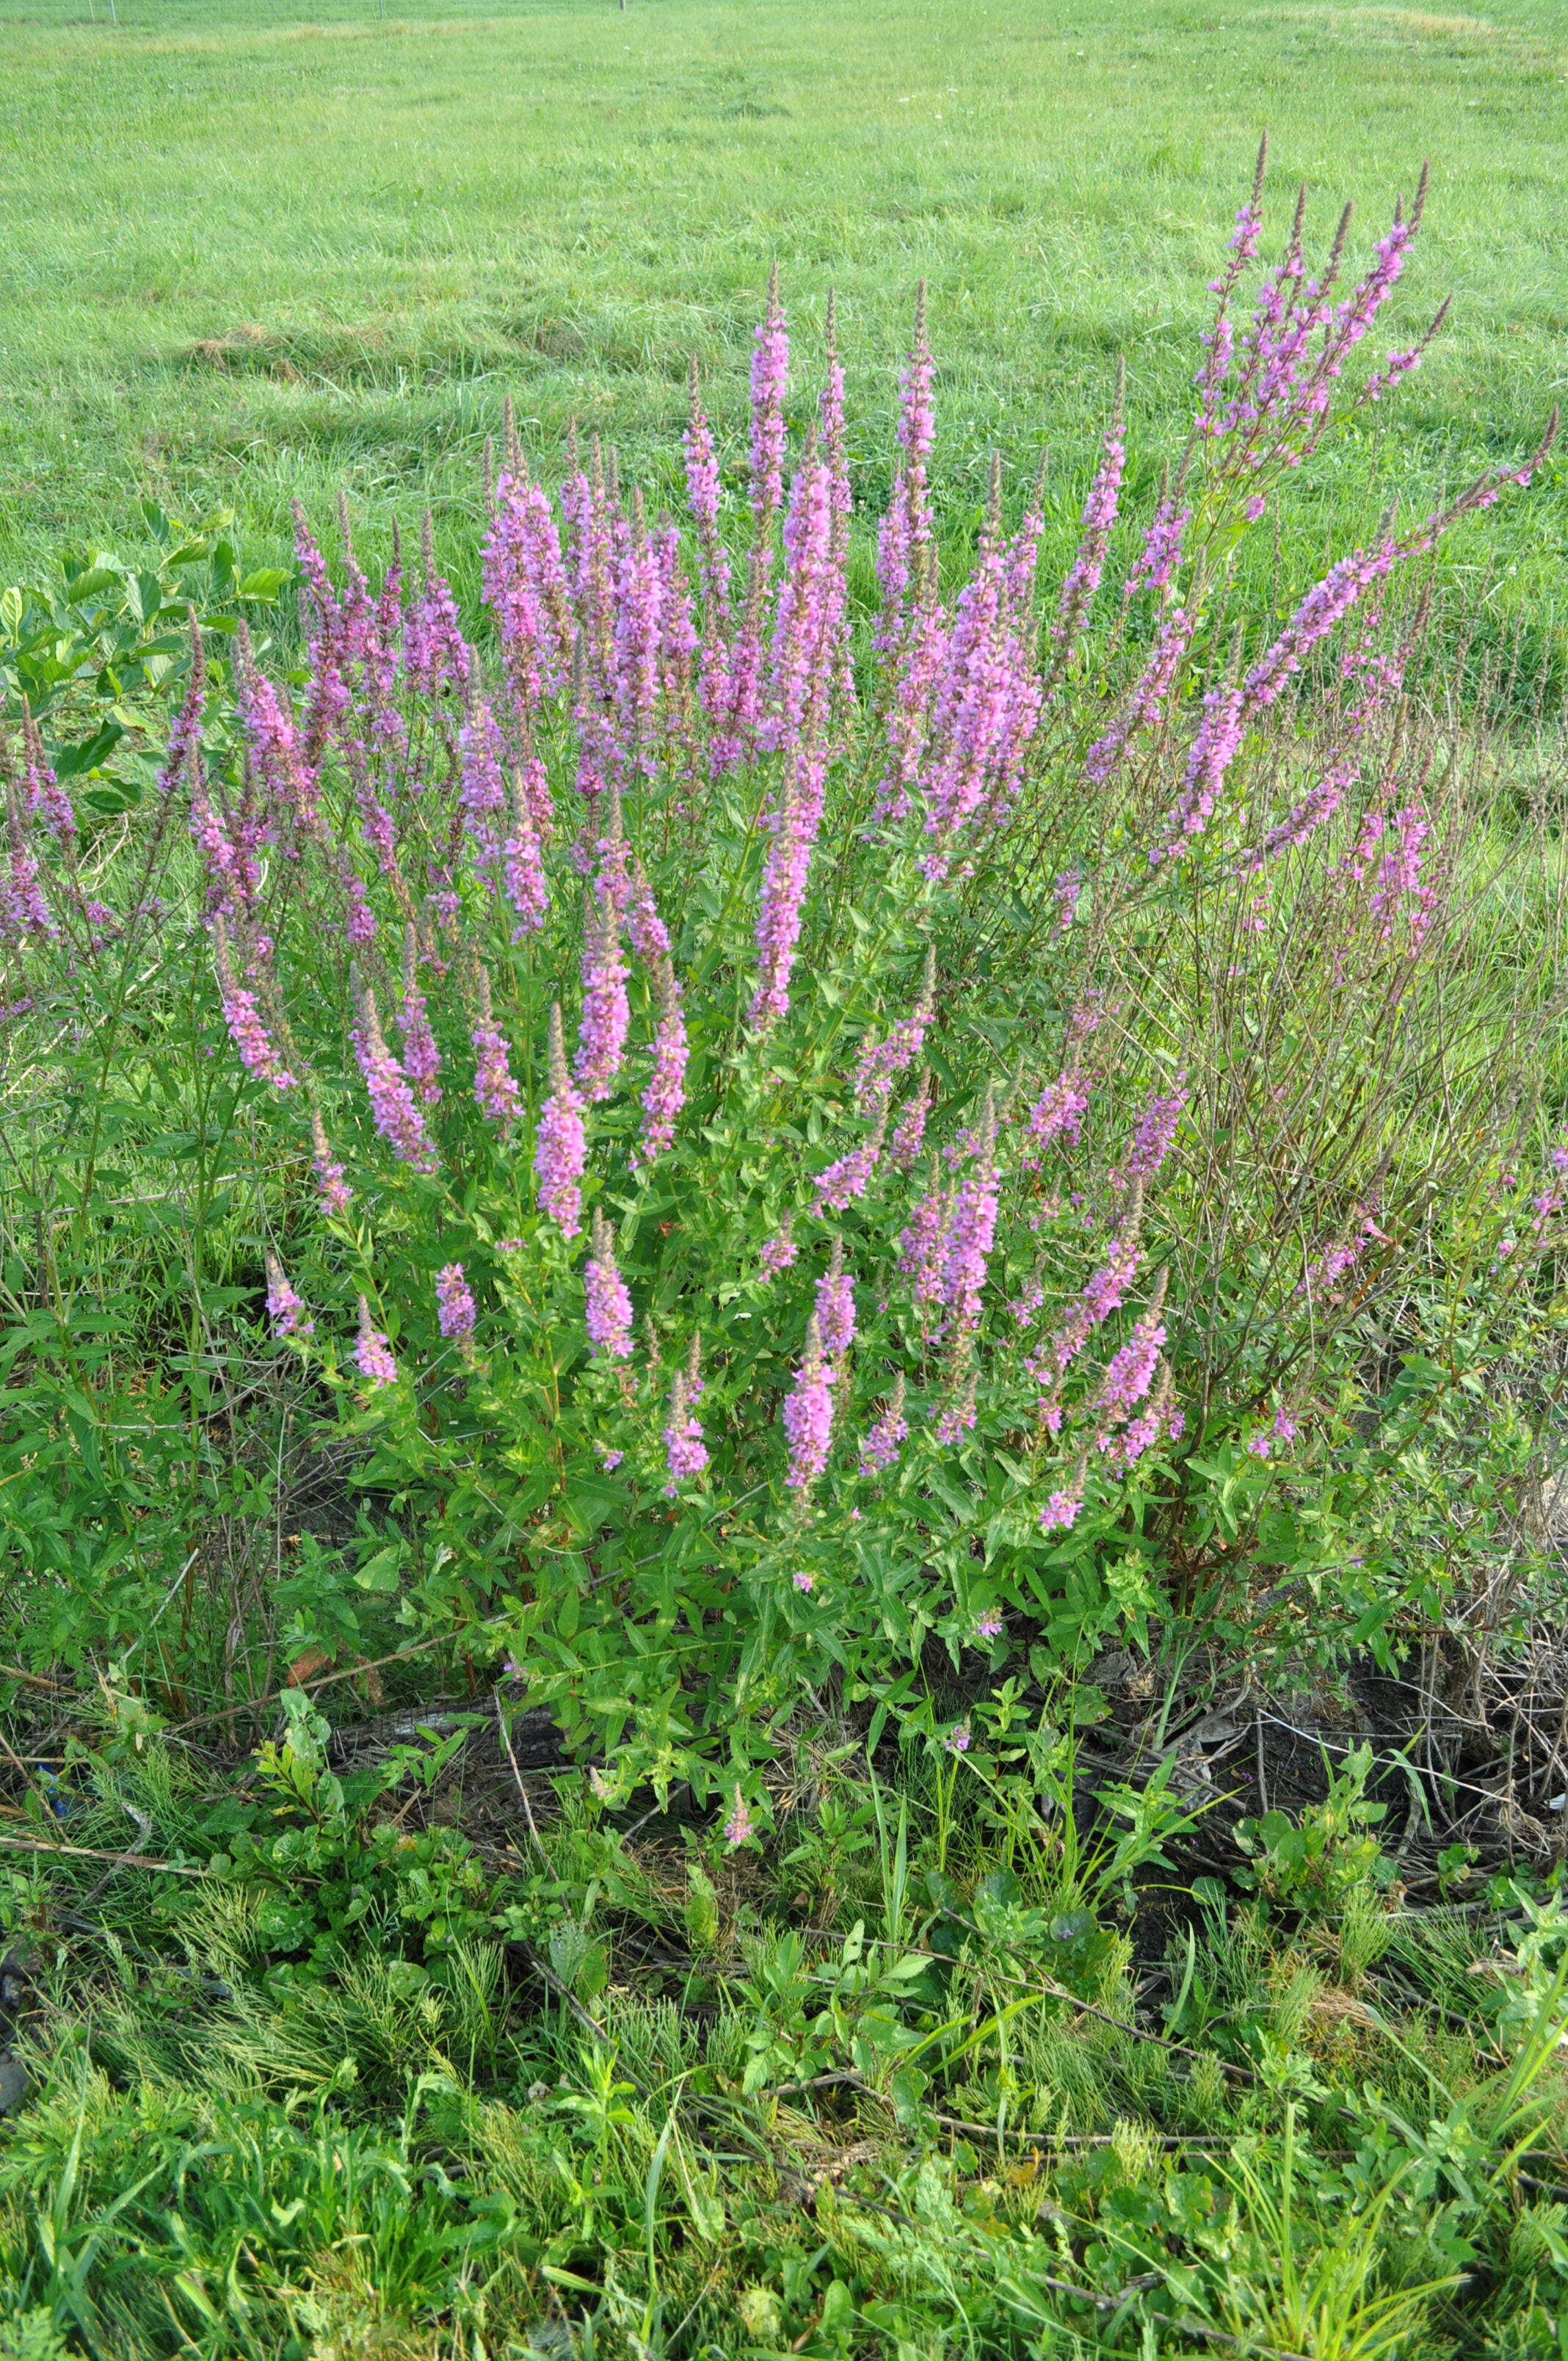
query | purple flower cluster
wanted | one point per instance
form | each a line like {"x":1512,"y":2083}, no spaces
{"x":686,"y":1454}
{"x":1099,"y":517}
{"x":284,"y":1308}
{"x":778,"y":1252}
{"x":881,"y":1441}
{"x":372,"y":1353}
{"x":561,"y":1147}
{"x":1153,"y":1136}
{"x":909,"y":1131}
{"x":770,"y":378}
{"x":456,"y":1311}
{"x":608,"y":1306}
{"x":808,"y":1414}
{"x":421,"y":1059}
{"x":332,"y":1184}
{"x":879,"y":1062}
{"x":835,"y":1305}
{"x":397,"y":1117}
{"x":971,"y":1229}
{"x":847,"y":1180}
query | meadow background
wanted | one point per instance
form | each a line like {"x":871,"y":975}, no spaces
{"x":258,"y":253}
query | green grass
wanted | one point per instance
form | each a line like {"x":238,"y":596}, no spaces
{"x":251,"y":255}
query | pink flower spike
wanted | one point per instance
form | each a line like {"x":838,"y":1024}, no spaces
{"x":740,"y":1827}
{"x":561,"y":1147}
{"x":883,"y":1441}
{"x":283,"y":1306}
{"x":496,"y":1092}
{"x":835,"y":1305}
{"x":398,"y":1119}
{"x":522,"y":867}
{"x":770,"y":377}
{"x":909,"y":1131}
{"x":686,"y":1454}
{"x":454,"y":1308}
{"x":421,"y":1059}
{"x":808,"y":1414}
{"x":372,"y":1354}
{"x":805,"y":1582}
{"x":333,"y":1188}
{"x":606,"y":1012}
{"x":608,"y":1306}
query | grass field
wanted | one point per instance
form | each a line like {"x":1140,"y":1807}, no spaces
{"x":256,"y":253}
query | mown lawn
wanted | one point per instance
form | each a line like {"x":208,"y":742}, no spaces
{"x":254,"y":253}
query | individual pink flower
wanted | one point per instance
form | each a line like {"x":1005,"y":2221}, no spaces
{"x":957,"y":1740}
{"x":456,"y":1311}
{"x":608,"y":1306}
{"x":1060,"y":1512}
{"x":808,"y":1414}
{"x":561,"y":1147}
{"x":372,"y":1354}
{"x":988,"y":1626}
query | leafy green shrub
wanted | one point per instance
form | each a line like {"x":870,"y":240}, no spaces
{"x":971,"y":1128}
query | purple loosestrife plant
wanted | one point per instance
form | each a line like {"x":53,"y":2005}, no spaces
{"x":1263,"y":1068}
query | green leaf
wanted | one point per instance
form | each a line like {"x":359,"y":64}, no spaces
{"x":74,"y":762}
